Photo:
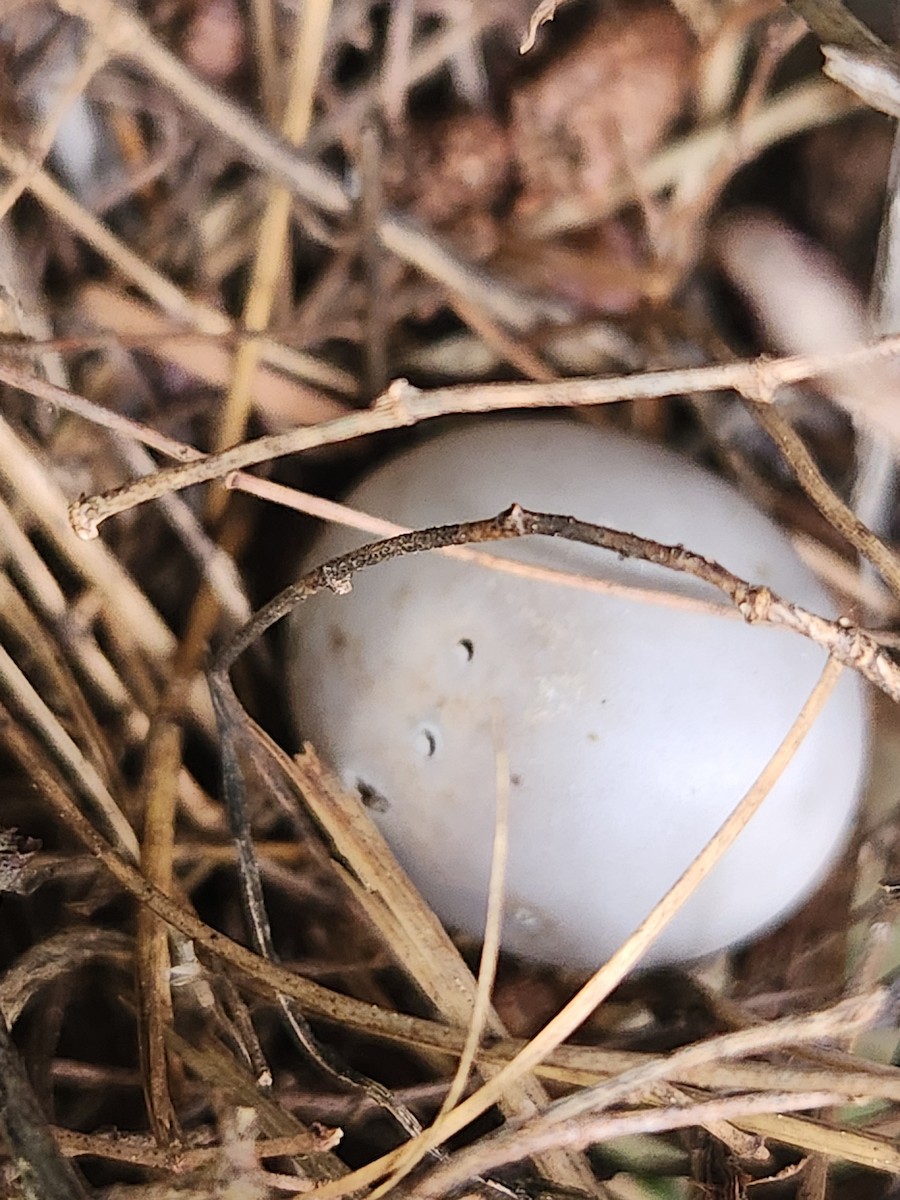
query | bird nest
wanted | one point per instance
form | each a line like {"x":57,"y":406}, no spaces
{"x":238,"y":242}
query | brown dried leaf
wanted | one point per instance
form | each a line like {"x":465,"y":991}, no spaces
{"x":602,"y":106}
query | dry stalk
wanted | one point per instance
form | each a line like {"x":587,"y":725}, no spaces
{"x":598,"y":987}
{"x":844,"y":642}
{"x":153,"y":960}
{"x":403,"y":405}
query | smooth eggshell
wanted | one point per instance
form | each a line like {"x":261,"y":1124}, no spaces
{"x":632,"y":729}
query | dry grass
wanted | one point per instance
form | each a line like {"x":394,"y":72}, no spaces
{"x":238,"y":234}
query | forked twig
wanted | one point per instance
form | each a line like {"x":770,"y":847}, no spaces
{"x":758,"y":605}
{"x":404,"y":405}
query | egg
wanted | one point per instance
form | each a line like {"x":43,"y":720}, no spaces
{"x":632,"y":728}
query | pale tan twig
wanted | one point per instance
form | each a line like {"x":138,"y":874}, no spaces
{"x":268,"y":263}
{"x":404,"y":405}
{"x":614,"y":1125}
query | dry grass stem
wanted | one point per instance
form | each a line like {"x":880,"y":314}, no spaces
{"x":404,"y":405}
{"x":598,"y":987}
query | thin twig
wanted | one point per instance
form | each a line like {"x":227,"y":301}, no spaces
{"x":758,"y":605}
{"x":404,"y":405}
{"x":653,"y":1120}
{"x":839,"y":515}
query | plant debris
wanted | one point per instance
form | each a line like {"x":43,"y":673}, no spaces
{"x":240,"y":240}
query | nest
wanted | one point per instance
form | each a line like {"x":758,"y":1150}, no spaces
{"x":239,"y":242}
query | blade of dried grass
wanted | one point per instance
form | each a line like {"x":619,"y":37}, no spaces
{"x":162,"y":764}
{"x":20,"y":622}
{"x":403,"y":405}
{"x":582,"y":1066}
{"x":310,"y":29}
{"x":17,"y":688}
{"x":598,"y":987}
{"x":140,"y":641}
{"x":487,"y":971}
{"x":36,"y":581}
{"x":28,"y":478}
{"x":417,"y":939}
{"x":814,"y":1179}
{"x":22,"y":309}
{"x":268,"y":977}
{"x":841,"y":1145}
